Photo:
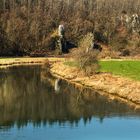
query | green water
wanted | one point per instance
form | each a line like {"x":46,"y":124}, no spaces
{"x":36,"y":106}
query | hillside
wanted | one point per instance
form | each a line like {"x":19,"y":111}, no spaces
{"x":27,"y":27}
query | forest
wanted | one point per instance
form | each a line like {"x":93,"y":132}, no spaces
{"x":28,"y":27}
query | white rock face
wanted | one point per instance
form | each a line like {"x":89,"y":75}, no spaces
{"x":61,"y":30}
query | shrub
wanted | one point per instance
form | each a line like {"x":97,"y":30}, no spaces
{"x":87,"y":60}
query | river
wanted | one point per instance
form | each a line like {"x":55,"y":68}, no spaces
{"x":34,"y":105}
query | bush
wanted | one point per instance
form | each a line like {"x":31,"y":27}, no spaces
{"x":87,"y":60}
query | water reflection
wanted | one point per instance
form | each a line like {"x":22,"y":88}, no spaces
{"x":57,"y":85}
{"x":31,"y":94}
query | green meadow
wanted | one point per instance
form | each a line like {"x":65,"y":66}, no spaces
{"x":125,"y":68}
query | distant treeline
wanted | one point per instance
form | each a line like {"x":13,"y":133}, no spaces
{"x":27,"y":25}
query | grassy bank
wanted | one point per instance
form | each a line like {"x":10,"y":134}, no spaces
{"x":125,"y":68}
{"x":104,"y":82}
{"x":8,"y":62}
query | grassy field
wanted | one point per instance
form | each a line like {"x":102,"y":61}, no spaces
{"x":125,"y":68}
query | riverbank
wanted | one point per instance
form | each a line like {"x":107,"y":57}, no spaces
{"x":125,"y":68}
{"x":8,"y":62}
{"x":121,"y":87}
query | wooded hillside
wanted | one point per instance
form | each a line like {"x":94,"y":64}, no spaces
{"x":26,"y":26}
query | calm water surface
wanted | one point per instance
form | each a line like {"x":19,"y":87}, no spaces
{"x":36,"y":106}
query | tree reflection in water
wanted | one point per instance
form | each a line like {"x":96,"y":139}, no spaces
{"x":28,"y":94}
